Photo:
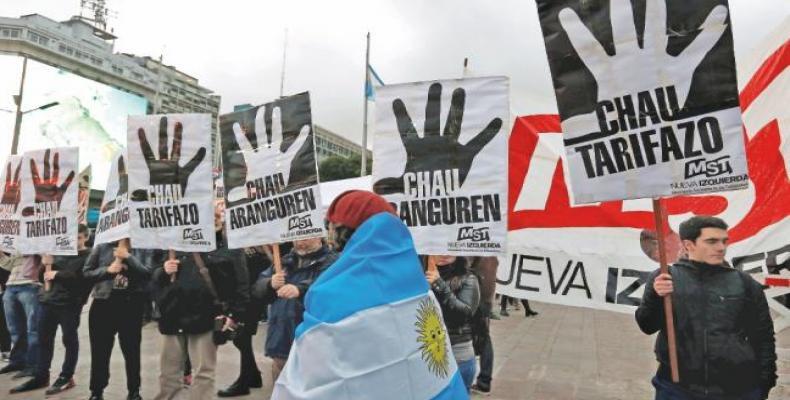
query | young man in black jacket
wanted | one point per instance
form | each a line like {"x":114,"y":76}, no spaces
{"x":723,"y":328}
{"x":60,"y":305}
{"x":119,"y":294}
{"x":197,"y":293}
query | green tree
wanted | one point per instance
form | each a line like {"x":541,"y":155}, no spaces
{"x":335,"y":168}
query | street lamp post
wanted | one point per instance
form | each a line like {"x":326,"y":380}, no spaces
{"x":19,"y":113}
{"x":18,"y":102}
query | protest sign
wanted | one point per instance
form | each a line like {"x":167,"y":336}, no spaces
{"x":10,"y":218}
{"x":113,"y":221}
{"x":49,"y":201}
{"x":171,"y":202}
{"x":269,"y":173}
{"x":647,"y":97}
{"x":446,"y":180}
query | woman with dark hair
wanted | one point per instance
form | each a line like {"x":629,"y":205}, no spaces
{"x":458,"y":292}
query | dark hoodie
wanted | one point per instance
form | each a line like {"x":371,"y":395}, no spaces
{"x":68,"y":288}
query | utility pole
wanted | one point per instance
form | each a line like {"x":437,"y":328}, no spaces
{"x":18,"y":101}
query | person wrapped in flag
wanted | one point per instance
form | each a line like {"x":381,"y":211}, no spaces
{"x":372,"y":327}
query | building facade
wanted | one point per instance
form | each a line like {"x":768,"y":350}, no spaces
{"x":82,"y":48}
{"x":328,"y":144}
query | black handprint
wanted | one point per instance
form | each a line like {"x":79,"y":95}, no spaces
{"x":166,"y":171}
{"x":46,"y":186}
{"x":123,"y":186}
{"x":12,"y":192}
{"x":435,"y":151}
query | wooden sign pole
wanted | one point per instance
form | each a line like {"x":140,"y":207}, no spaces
{"x":171,"y":255}
{"x":661,"y":223}
{"x":278,"y":266}
{"x":431,"y":263}
{"x":47,"y":283}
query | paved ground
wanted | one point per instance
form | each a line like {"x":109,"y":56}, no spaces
{"x":564,"y":353}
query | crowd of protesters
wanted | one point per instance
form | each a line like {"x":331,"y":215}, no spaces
{"x":725,"y":335}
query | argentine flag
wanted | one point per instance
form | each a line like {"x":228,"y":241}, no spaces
{"x":372,"y":328}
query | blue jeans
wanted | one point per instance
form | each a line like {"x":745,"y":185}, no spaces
{"x":22,"y":310}
{"x":467,"y":369}
{"x":666,"y":390}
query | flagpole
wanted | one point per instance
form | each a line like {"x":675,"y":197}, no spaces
{"x":363,"y":167}
{"x":282,"y":70}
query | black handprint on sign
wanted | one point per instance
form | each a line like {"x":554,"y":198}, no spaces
{"x":46,"y":185}
{"x":12,"y":192}
{"x":166,"y":171}
{"x":435,"y":151}
{"x":123,"y":186}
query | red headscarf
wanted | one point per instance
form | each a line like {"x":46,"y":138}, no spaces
{"x":353,"y":207}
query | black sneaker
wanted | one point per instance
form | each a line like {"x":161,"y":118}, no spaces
{"x":31,"y":384}
{"x":96,"y":396}
{"x":134,"y":395}
{"x":235,"y":389}
{"x":60,"y":385}
{"x":255,"y":381}
{"x":481,"y":388}
{"x":11,"y":368}
{"x":25,"y":373}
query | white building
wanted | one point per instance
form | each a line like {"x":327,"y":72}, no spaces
{"x":80,"y":47}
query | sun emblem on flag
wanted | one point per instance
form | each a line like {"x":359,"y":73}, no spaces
{"x":432,"y":338}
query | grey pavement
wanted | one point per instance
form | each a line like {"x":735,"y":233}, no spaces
{"x":564,"y":353}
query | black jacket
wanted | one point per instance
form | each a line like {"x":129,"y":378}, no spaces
{"x":188,"y":305}
{"x":68,"y":288}
{"x":723,"y":330}
{"x":286,"y":314}
{"x":458,"y":292}
{"x":139,"y":266}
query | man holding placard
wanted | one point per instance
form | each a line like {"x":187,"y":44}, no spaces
{"x":725,"y":333}
{"x":202,"y":298}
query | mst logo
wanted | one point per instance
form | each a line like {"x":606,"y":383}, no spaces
{"x":192,"y":234}
{"x":62,"y":241}
{"x":475,"y":235}
{"x":8,"y":241}
{"x":700,"y":166}
{"x":300,"y":223}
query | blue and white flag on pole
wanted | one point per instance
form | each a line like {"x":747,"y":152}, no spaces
{"x":370,"y":91}
{"x":372,"y":327}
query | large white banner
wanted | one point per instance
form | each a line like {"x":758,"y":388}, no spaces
{"x":10,"y":212}
{"x":440,"y":156}
{"x":649,"y":107}
{"x":170,"y":182}
{"x":270,"y":175}
{"x":49,"y":201}
{"x":600,"y":256}
{"x":113,"y":221}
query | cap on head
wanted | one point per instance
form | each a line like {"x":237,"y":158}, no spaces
{"x":353,"y":207}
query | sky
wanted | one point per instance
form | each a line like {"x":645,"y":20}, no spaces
{"x":235,"y":47}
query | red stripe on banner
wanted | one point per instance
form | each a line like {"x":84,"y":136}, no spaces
{"x":767,"y":172}
{"x":775,"y":281}
{"x":768,"y":71}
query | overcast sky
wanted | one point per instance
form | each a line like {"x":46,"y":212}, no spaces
{"x":234,"y":47}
